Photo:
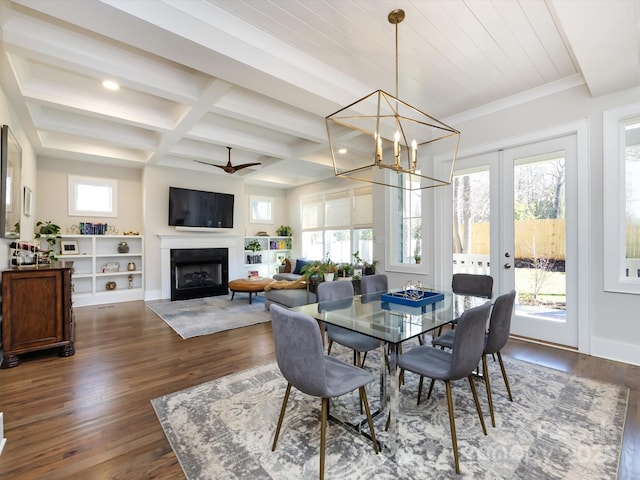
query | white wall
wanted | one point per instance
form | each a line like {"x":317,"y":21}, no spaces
{"x":143,"y":199}
{"x":51,"y":194}
{"x":28,"y":177}
{"x":155,"y":193}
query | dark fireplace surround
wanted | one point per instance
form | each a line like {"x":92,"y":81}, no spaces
{"x":199,"y":272}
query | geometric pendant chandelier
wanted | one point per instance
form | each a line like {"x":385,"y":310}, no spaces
{"x":381,"y":139}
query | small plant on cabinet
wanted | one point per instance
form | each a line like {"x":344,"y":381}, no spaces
{"x":50,"y":232}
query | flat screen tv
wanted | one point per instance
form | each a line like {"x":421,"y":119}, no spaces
{"x":197,"y":208}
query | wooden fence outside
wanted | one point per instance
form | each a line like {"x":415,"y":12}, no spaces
{"x":549,"y":235}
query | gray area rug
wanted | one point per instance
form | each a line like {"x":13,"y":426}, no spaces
{"x":202,"y":316}
{"x":558,"y":427}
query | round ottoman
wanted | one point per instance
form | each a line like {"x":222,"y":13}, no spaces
{"x":249,"y":286}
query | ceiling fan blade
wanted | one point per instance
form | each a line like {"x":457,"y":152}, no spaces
{"x":228,"y":167}
{"x":245,"y":165}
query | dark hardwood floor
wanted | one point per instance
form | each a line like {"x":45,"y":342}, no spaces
{"x":89,"y":416}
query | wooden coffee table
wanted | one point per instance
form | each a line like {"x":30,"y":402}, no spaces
{"x":248,"y":286}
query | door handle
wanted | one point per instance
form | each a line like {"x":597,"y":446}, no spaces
{"x":507,"y":265}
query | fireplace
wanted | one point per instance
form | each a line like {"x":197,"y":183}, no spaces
{"x":199,"y":272}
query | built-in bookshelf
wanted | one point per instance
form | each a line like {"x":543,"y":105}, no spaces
{"x":266,"y":260}
{"x":101,"y":273}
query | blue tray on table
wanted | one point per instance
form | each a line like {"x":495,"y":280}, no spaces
{"x":404,"y":298}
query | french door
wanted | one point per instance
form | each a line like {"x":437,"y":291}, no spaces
{"x":514,"y":216}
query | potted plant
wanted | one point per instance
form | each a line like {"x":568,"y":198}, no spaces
{"x":329,"y":269}
{"x":345,"y":269}
{"x":370,"y":267}
{"x":253,"y":245}
{"x":312,"y":270}
{"x":50,"y":232}
{"x":283,"y":231}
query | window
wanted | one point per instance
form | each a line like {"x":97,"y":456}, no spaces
{"x":407,"y":227}
{"x":338,"y":224}
{"x":622,"y":199}
{"x":95,"y":197}
{"x":261,"y":209}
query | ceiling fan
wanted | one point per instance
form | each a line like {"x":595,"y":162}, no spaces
{"x":228,"y":167}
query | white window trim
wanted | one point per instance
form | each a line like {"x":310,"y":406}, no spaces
{"x":614,"y":201}
{"x":74,"y":181}
{"x":391,"y":206}
{"x":254,"y":199}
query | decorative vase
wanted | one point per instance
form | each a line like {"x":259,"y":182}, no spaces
{"x":111,"y":285}
{"x":123,"y":247}
{"x":328,"y":277}
{"x":131,"y":266}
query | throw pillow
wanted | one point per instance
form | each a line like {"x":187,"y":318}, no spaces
{"x":299,"y":264}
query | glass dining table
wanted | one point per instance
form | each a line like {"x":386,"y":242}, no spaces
{"x":392,"y":320}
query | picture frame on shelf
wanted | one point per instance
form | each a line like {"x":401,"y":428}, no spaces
{"x":69,"y":247}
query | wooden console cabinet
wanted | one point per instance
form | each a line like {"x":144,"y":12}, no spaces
{"x":36,"y":312}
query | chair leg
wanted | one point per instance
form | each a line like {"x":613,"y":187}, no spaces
{"x":431,"y":388}
{"x":487,"y":384}
{"x":504,"y":375}
{"x":329,"y":347}
{"x":284,"y":407}
{"x":364,"y":357}
{"x":363,"y":399}
{"x":323,"y":434}
{"x":452,"y":425}
{"x":420,"y":388}
{"x":475,"y":399}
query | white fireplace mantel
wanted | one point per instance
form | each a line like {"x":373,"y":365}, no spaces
{"x":169,"y":242}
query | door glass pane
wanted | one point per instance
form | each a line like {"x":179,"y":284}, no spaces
{"x":471,"y":236}
{"x":539,"y":230}
{"x":410,"y":229}
{"x":632,"y":200}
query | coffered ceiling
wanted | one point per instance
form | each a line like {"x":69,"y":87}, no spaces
{"x":259,"y":76}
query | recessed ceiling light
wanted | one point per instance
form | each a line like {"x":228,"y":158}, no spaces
{"x":110,"y":85}
{"x":342,"y":151}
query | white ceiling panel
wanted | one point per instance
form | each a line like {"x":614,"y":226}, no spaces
{"x":197,"y":76}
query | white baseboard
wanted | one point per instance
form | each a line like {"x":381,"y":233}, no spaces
{"x":614,"y":350}
{"x":152,"y":295}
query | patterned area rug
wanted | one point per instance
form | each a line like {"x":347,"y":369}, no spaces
{"x":558,"y":427}
{"x":202,"y":316}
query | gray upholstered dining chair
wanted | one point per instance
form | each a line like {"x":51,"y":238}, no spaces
{"x":470,"y":284}
{"x":373,"y":286}
{"x":359,"y":343}
{"x":455,"y":364}
{"x":495,"y":339}
{"x":300,"y":357}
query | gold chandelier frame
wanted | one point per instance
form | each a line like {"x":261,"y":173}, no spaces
{"x":380,"y":130}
